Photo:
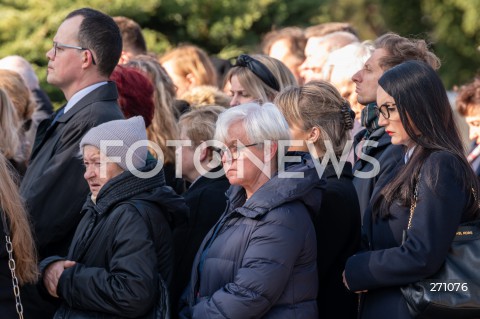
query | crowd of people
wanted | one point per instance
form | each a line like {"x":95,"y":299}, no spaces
{"x":184,"y":186}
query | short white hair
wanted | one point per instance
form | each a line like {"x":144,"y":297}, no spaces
{"x":343,"y":63}
{"x":261,"y":123}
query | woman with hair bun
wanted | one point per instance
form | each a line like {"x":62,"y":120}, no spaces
{"x":320,"y":121}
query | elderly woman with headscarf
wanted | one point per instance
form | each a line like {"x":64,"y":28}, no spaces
{"x":123,"y":244}
{"x":259,"y":260}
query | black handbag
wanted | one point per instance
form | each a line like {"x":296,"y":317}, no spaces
{"x":454,"y":291}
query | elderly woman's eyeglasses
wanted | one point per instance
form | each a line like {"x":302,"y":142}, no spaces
{"x":57,"y":45}
{"x":235,"y":151}
{"x":386,"y":110}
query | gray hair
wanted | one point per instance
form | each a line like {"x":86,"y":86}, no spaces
{"x":343,"y":63}
{"x":261,"y":123}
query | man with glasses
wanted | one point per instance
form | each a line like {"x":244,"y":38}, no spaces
{"x":375,"y":156}
{"x":85,"y":50}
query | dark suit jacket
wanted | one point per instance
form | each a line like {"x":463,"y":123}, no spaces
{"x":385,"y":153}
{"x":337,"y":225}
{"x":207,"y":201}
{"x":53,"y":187}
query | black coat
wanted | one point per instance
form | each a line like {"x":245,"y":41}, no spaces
{"x":337,"y":225}
{"x":385,"y":154}
{"x":119,"y":259}
{"x":54,"y":188}
{"x":207,"y":201}
{"x":387,"y":264}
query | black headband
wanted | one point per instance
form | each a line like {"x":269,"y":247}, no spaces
{"x":259,"y":69}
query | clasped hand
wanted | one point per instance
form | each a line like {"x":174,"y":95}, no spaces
{"x":52,"y":275}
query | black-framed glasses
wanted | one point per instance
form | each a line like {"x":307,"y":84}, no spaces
{"x":235,"y":150}
{"x":386,"y":109}
{"x":57,"y":45}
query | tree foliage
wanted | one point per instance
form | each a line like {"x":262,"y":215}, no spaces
{"x":227,"y":27}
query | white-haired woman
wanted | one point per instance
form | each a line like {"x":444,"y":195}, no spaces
{"x":259,"y":260}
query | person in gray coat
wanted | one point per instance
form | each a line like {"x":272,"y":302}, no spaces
{"x":259,"y":260}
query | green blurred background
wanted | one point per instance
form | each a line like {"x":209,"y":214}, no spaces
{"x":229,"y":27}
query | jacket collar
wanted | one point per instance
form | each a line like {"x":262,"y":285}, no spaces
{"x":107,"y":92}
{"x":125,"y":186}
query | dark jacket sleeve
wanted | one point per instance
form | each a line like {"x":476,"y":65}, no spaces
{"x":436,"y":218}
{"x":127,"y":286}
{"x":273,"y":248}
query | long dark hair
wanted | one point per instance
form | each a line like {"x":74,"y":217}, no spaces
{"x":423,"y":106}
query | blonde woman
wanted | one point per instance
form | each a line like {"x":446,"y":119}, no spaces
{"x":203,"y":95}
{"x":257,"y":78}
{"x":164,"y":124}
{"x":22,"y":242}
{"x":189,"y":66}
{"x":9,"y":130}
{"x":317,"y":114}
{"x":25,"y":105}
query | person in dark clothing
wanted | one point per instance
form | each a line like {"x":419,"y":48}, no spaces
{"x":14,"y":215}
{"x":206,"y":195}
{"x":85,"y":51}
{"x":468,"y":105}
{"x":259,"y":260}
{"x":318,"y":116}
{"x":124,"y":241}
{"x":375,"y":156}
{"x":414,"y":109}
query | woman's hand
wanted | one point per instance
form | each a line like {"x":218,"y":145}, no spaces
{"x":52,"y":275}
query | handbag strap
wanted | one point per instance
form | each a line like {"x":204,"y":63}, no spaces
{"x":415,"y":198}
{"x":11,"y":265}
{"x":414,"y":203}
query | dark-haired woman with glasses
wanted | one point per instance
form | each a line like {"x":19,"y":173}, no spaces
{"x":435,"y":179}
{"x":257,"y":78}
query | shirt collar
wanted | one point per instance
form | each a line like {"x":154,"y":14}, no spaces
{"x":409,"y":153}
{"x":81,"y":94}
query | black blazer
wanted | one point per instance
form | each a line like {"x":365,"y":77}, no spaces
{"x":337,"y":225}
{"x":387,"y":156}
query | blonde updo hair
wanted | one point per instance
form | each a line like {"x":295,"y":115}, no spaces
{"x":318,"y":104}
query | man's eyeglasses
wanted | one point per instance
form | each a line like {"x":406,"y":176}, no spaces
{"x":235,"y":151}
{"x":57,"y":45}
{"x":386,"y":110}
